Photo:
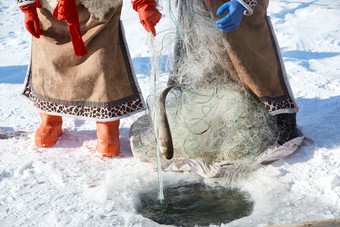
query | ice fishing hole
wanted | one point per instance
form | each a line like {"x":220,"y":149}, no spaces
{"x":192,"y":204}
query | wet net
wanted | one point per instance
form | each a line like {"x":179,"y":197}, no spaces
{"x":211,"y":116}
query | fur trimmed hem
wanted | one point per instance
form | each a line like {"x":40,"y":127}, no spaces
{"x":280,"y":107}
{"x":98,"y":8}
{"x":90,"y":118}
{"x":103,"y":113}
{"x":283,"y":111}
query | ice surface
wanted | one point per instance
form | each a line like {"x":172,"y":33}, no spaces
{"x":68,"y":185}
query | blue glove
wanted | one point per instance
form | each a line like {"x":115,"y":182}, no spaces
{"x":233,"y":18}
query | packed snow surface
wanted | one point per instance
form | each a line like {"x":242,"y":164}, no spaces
{"x":70,"y":185}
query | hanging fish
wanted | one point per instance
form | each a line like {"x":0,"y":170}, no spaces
{"x":165,"y":139}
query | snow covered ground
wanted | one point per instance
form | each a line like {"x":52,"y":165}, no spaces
{"x":68,"y":185}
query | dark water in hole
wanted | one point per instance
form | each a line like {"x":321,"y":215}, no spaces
{"x":195,"y":204}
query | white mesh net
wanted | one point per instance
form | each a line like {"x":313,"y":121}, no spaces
{"x":211,"y":117}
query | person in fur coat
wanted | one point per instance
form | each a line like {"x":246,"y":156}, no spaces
{"x":252,"y":56}
{"x":80,"y":67}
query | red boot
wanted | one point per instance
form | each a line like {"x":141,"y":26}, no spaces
{"x":49,"y":130}
{"x":108,"y":138}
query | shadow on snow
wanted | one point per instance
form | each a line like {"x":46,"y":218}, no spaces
{"x":319,"y":120}
{"x":142,"y":65}
{"x":13,"y":74}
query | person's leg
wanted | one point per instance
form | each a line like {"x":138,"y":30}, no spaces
{"x":49,"y":130}
{"x":255,"y":59}
{"x":108,"y":138}
{"x":286,"y":123}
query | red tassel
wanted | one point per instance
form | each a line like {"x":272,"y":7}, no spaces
{"x":67,"y":10}
{"x":77,"y":41}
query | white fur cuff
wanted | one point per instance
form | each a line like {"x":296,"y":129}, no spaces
{"x":249,"y":11}
{"x":23,"y":3}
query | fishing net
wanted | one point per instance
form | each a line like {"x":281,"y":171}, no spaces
{"x":211,"y":116}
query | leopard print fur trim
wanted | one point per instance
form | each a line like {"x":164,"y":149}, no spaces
{"x":106,"y":113}
{"x":249,"y":5}
{"x":283,"y":106}
{"x":24,"y":2}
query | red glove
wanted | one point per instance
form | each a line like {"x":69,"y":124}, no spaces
{"x":31,"y":19}
{"x":67,"y":10}
{"x":149,"y":16}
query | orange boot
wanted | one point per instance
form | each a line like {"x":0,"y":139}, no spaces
{"x":49,"y":130}
{"x":108,"y":138}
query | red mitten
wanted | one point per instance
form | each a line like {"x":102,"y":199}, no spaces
{"x":149,"y":16}
{"x":67,"y":10}
{"x":31,"y":19}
